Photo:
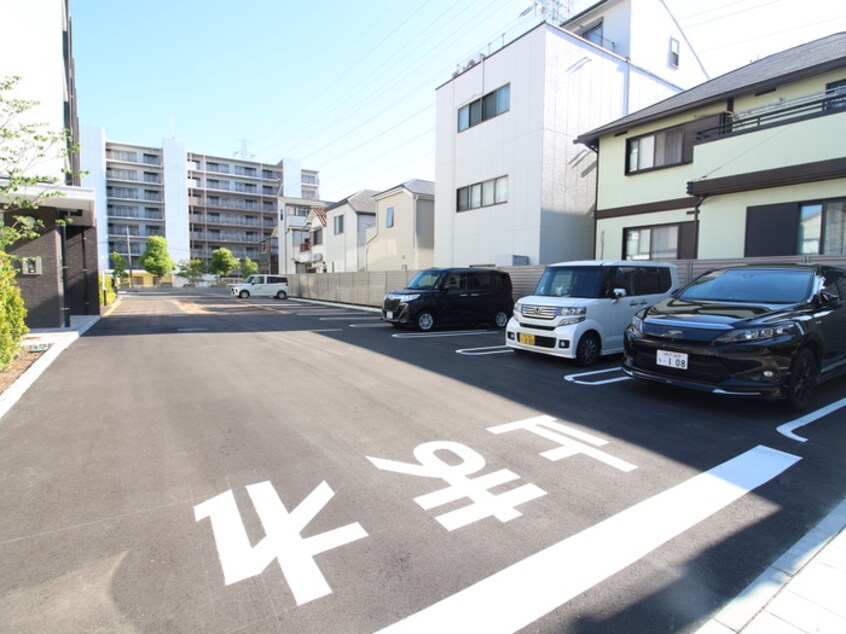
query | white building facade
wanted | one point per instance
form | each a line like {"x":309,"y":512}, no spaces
{"x":511,"y":184}
{"x":346,"y":232}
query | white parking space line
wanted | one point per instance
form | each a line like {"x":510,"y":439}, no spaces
{"x":576,"y":378}
{"x":524,"y":592}
{"x":348,"y":318}
{"x":787,"y":428}
{"x":380,"y":325}
{"x":451,"y":333}
{"x":476,"y":352}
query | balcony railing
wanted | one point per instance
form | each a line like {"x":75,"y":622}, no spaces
{"x":814,"y":105}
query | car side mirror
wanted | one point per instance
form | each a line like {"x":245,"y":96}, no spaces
{"x":828,"y":297}
{"x":618,"y":293}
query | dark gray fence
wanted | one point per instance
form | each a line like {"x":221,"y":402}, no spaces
{"x":369,"y":288}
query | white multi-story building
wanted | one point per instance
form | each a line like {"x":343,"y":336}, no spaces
{"x":198,"y":202}
{"x":511,"y":185}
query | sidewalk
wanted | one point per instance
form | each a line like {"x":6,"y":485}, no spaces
{"x":803,"y":591}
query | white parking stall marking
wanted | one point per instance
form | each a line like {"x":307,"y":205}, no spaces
{"x":350,"y":317}
{"x":477,"y":352}
{"x":450,"y":333}
{"x":576,"y":378}
{"x":787,"y":428}
{"x":524,"y":592}
{"x":485,"y":504}
{"x":379,"y":325}
{"x":283,"y":542}
{"x":572,"y":441}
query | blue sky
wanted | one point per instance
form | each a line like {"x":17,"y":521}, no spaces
{"x":346,"y":87}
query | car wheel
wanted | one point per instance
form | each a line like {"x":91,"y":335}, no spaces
{"x":501,"y":319}
{"x":425,"y":321}
{"x":281,"y":295}
{"x":803,"y":380}
{"x":244,"y":294}
{"x":587,"y":352}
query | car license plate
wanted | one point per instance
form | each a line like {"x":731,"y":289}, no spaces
{"x":529,"y":340}
{"x":677,"y":360}
{"x":389,"y":314}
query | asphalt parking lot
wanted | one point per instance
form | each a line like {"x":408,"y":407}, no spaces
{"x":283,"y":465}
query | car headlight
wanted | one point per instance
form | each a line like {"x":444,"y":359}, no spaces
{"x":758,"y":333}
{"x":571,"y":315}
{"x":637,"y":325}
{"x":408,"y":298}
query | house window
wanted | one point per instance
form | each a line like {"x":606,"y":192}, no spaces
{"x":339,"y":224}
{"x":660,"y":242}
{"x":835,"y":95}
{"x":659,"y":149}
{"x":318,"y":237}
{"x":594,"y":33}
{"x":389,"y":217}
{"x":822,"y":228}
{"x":804,"y":228}
{"x":485,"y":194}
{"x":487,"y":107}
{"x":674,"y":52}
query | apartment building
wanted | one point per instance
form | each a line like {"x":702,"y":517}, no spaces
{"x":510,"y":184}
{"x":58,"y":278}
{"x":199,"y":202}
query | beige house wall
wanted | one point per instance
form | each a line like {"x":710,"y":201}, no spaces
{"x":409,"y":243}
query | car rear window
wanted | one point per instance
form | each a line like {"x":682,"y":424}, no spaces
{"x":765,"y":286}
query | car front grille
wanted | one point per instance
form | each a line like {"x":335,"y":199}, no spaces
{"x":536,"y":311}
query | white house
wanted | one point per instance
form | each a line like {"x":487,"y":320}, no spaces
{"x":511,"y":185}
{"x":346,"y":231}
{"x":404,"y":234}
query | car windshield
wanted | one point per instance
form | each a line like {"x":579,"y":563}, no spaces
{"x":763,"y":286}
{"x":425,"y":280}
{"x":570,"y":281}
{"x":250,"y":279}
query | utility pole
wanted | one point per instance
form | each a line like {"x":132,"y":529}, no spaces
{"x":129,"y":255}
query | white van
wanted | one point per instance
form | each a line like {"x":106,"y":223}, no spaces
{"x":262,"y":286}
{"x":580,"y":310}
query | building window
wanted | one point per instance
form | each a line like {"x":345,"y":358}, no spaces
{"x":674,"y":52}
{"x":339,"y":224}
{"x":389,"y":217}
{"x":485,"y":194}
{"x":659,"y":149}
{"x":660,"y":242}
{"x":822,"y":228}
{"x":487,"y":107}
{"x":835,"y":95}
{"x":318,"y":237}
{"x":804,"y":228}
{"x":594,"y":33}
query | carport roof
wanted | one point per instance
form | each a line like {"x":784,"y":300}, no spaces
{"x":824,"y":54}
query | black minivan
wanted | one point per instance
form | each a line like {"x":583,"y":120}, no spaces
{"x":437,"y":297}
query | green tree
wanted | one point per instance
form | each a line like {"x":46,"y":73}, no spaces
{"x":118,"y":262}
{"x":12,"y":312}
{"x":155,"y":259}
{"x":22,"y":147}
{"x":192,"y":270}
{"x":222,"y":262}
{"x":248,"y":267}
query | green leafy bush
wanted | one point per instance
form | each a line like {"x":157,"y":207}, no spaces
{"x":12,"y":313}
{"x":105,"y":282}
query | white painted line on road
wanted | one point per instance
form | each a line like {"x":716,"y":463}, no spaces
{"x":477,"y":352}
{"x":451,"y":333}
{"x":787,"y":428}
{"x":574,"y":378}
{"x":524,"y":592}
{"x":381,"y":325}
{"x":368,"y":318}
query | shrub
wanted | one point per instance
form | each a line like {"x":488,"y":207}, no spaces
{"x":12,"y":313}
{"x":105,"y":282}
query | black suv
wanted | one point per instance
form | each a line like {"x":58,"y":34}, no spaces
{"x":451,"y":296}
{"x":773,"y":331}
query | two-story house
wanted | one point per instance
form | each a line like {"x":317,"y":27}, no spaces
{"x":750,"y":164}
{"x":346,"y":231}
{"x":403,"y":237}
{"x":511,"y":186}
